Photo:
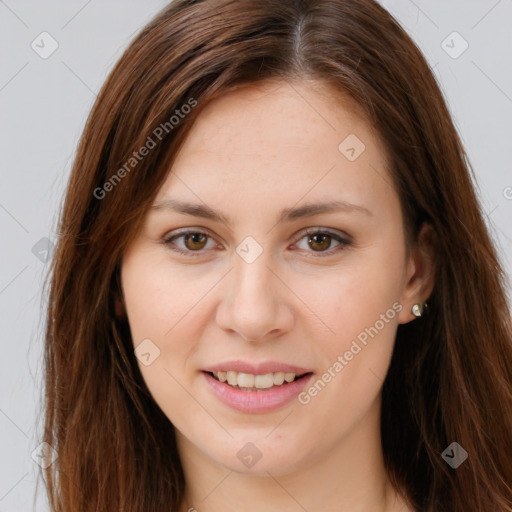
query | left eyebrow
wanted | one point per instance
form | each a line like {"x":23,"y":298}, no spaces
{"x":310,"y":209}
{"x":286,"y":215}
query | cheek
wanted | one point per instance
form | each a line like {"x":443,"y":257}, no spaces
{"x":361,"y":308}
{"x":163,"y":304}
{"x":354,"y":299}
{"x":157,"y":296}
{"x":159,"y":305}
{"x":356,"y":358}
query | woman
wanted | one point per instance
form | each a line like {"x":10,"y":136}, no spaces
{"x":274,"y":288}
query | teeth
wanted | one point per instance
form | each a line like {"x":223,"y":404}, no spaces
{"x":248,"y":380}
{"x":279,"y":378}
{"x":262,"y":381}
{"x":232,"y":378}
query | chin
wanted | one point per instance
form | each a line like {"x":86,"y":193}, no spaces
{"x":258,"y":456}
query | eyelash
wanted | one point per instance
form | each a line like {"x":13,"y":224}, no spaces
{"x":343,"y":242}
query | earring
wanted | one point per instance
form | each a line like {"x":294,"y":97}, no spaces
{"x":419,"y":308}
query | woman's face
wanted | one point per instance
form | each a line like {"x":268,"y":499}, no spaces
{"x":251,"y":297}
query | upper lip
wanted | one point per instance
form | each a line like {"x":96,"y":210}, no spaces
{"x":256,"y":368}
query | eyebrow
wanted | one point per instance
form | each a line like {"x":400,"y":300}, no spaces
{"x":286,"y":215}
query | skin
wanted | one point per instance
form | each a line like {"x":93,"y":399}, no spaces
{"x":252,"y":153}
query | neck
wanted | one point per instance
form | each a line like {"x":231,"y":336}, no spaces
{"x":349,"y":477}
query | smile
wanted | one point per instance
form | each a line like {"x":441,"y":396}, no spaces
{"x":251,"y":382}
{"x":256,"y":393}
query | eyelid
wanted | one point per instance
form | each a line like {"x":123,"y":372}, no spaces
{"x":168,"y":238}
{"x":341,"y":237}
{"x":344,"y":240}
{"x":328,"y":231}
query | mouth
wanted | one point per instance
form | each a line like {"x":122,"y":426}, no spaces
{"x":256,"y":382}
{"x":253,"y":393}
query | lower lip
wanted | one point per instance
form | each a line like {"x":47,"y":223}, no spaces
{"x":257,"y":401}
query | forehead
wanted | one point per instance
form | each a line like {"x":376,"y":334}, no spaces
{"x":280,"y":141}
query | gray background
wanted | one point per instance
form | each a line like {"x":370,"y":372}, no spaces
{"x":44,"y":103}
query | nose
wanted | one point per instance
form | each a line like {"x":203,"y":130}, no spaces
{"x":255,"y":302}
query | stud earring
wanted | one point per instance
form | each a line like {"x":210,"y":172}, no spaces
{"x":419,"y":308}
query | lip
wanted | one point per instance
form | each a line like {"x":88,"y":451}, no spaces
{"x":254,"y":402}
{"x":256,"y":369}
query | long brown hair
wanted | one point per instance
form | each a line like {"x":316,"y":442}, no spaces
{"x":450,"y":378}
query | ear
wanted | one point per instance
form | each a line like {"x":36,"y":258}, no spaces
{"x":421,"y":270}
{"x":119,"y":306}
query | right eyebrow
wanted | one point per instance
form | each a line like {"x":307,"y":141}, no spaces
{"x":286,"y":215}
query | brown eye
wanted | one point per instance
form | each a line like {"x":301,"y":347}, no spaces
{"x":195,"y":241}
{"x":191,"y":243}
{"x":320,"y":241}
